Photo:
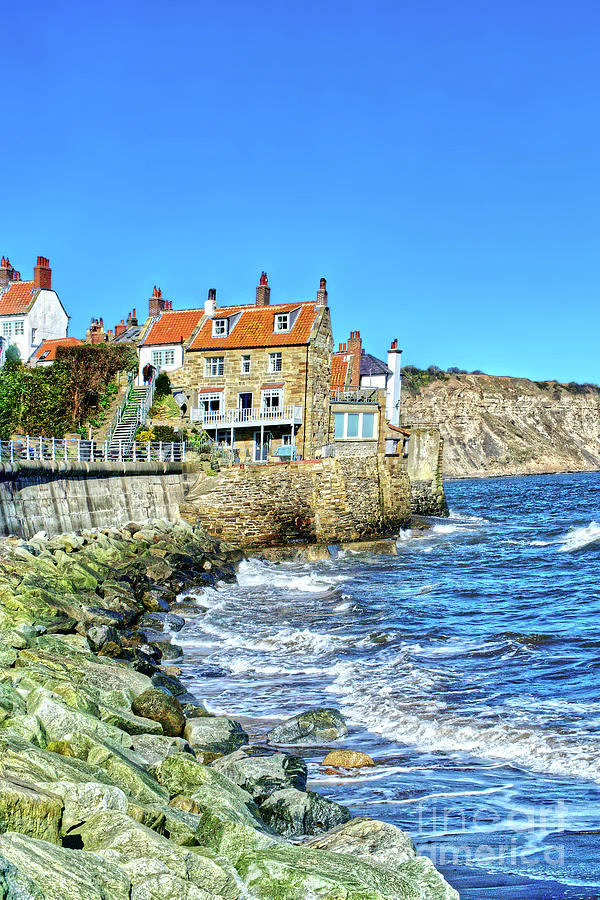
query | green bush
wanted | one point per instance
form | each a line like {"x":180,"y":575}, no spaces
{"x":163,"y":385}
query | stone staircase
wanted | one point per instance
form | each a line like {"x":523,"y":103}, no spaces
{"x":132,"y":414}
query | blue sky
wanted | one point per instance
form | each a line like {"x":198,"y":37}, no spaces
{"x":436,"y":161}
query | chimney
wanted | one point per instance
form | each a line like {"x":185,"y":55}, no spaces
{"x":322,"y":293}
{"x":263,"y":291}
{"x":393,"y":386}
{"x":120,"y":328}
{"x":210,"y":304}
{"x":355,"y":349}
{"x":42,"y":274}
{"x":156,"y":303}
{"x":132,"y":319}
{"x":7,"y":273}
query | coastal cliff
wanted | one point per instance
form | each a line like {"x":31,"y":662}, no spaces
{"x":497,"y":425}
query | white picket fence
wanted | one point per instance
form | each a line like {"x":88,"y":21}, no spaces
{"x":67,"y":450}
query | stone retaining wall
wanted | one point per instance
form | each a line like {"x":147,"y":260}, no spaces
{"x":60,"y":497}
{"x":424,"y":467}
{"x":328,"y":500}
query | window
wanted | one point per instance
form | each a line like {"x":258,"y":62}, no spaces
{"x":162,"y":358}
{"x":246,"y":364}
{"x":368,"y":425}
{"x":211,"y":403}
{"x":220,"y":327}
{"x":282,"y":322}
{"x":354,"y":426}
{"x":7,"y":329}
{"x":271,"y":398}
{"x":214,"y":365}
{"x":286,"y":441}
{"x":274,"y":362}
{"x":20,"y":327}
{"x":33,"y":333}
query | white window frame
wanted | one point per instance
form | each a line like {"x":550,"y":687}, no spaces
{"x":270,"y":394}
{"x":275,"y":362}
{"x":211,"y":398}
{"x":220,"y":327}
{"x":245,"y":359}
{"x":282,"y":322}
{"x":214,"y":366}
{"x":359,"y":437}
{"x":19,"y":327}
{"x":7,"y":329}
{"x":162,"y":358}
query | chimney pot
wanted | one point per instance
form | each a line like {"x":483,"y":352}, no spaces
{"x":42,"y":274}
{"x":322,"y":293}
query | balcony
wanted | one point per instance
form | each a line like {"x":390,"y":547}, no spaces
{"x":358,"y":395}
{"x":247,"y":418}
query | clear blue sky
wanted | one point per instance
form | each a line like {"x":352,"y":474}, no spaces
{"x":437,"y":161}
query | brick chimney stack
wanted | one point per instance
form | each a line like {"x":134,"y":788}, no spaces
{"x":132,"y":319}
{"x":322,"y":293}
{"x":7,"y":273}
{"x":120,"y":328}
{"x":157,"y":302}
{"x":263,"y":291}
{"x":42,"y":274}
{"x":355,"y":348}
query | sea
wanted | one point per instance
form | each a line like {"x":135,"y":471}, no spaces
{"x":467,"y":667}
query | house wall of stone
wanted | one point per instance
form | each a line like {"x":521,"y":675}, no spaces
{"x":328,"y":500}
{"x":318,"y":388}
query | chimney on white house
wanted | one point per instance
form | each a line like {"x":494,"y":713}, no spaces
{"x":210,"y":304}
{"x":394,"y":384}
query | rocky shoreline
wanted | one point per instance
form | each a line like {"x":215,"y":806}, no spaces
{"x":116,"y":784}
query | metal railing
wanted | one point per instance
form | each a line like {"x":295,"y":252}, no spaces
{"x":146,"y":404}
{"x":2,"y":353}
{"x":66,"y":450}
{"x":257,"y":415}
{"x":358,"y":395}
{"x":116,"y":419}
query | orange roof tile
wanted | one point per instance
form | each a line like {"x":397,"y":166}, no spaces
{"x":339,"y":370}
{"x":255,"y":327}
{"x":173,"y":325}
{"x":47,"y":349}
{"x":18,"y":298}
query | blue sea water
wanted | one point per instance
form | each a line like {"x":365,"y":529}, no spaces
{"x":468,"y":667}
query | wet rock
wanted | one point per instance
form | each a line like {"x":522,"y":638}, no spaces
{"x":347,"y":759}
{"x":214,"y":734}
{"x":312,"y":727}
{"x":375,"y":842}
{"x":161,"y":707}
{"x":293,"y":813}
{"x":261,"y":772}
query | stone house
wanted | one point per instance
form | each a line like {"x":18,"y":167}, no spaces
{"x":257,"y":376}
{"x":30,"y":311}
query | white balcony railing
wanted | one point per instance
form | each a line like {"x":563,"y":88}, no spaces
{"x":227,"y":418}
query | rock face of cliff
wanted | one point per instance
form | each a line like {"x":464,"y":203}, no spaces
{"x":496,"y":425}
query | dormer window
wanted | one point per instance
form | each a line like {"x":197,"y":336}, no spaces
{"x":220,"y":327}
{"x":282,"y":322}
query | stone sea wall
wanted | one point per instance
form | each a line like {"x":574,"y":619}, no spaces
{"x":117,"y":784}
{"x":59,"y":497}
{"x":328,"y":501}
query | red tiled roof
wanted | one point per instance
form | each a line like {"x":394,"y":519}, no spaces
{"x":255,"y":327}
{"x":18,"y":298}
{"x":173,"y":325}
{"x":339,"y":370}
{"x":50,"y":347}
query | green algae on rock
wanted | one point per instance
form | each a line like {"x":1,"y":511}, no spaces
{"x":316,"y":726}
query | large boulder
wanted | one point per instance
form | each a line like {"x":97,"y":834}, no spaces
{"x":293,"y":813}
{"x":58,"y":719}
{"x":316,"y":726}
{"x":16,"y":885}
{"x":30,"y":810}
{"x":63,"y":874}
{"x":368,"y":839}
{"x":153,"y":749}
{"x":82,"y":801}
{"x":214,"y":735}
{"x":118,"y":837}
{"x":347,"y":759}
{"x":261,"y":771}
{"x":160,"y":707}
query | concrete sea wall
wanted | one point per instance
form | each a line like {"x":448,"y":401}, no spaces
{"x":59,"y":497}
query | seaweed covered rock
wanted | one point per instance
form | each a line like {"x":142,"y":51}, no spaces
{"x":375,"y":842}
{"x":214,"y":735}
{"x":160,"y":707}
{"x":316,"y":726}
{"x":293,"y":813}
{"x":261,"y":771}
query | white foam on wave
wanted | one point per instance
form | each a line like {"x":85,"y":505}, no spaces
{"x":254,"y":573}
{"x":578,"y":538}
{"x":291,"y":640}
{"x":409,"y":713}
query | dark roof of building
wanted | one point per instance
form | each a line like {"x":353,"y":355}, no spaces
{"x":130,"y":334}
{"x":370,"y":365}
